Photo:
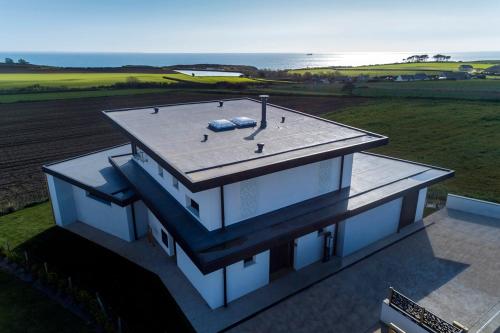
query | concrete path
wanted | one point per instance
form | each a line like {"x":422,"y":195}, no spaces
{"x":452,"y":268}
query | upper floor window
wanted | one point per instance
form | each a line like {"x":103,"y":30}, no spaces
{"x":248,"y":261}
{"x":175,"y":183}
{"x":193,"y":206}
{"x":160,"y":171}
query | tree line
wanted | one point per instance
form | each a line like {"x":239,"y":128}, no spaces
{"x":425,"y":57}
{"x":21,"y":61}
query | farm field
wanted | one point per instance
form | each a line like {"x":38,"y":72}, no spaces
{"x":460,"y":135}
{"x":461,"y":89}
{"x":397,"y":69}
{"x":88,"y":80}
{"x":35,"y":133}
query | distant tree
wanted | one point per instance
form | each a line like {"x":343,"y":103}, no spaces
{"x":424,"y":57}
{"x":22,"y":62}
{"x":9,"y":61}
{"x":447,"y":58}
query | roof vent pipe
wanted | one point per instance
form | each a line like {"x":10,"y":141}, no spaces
{"x":282,"y":119}
{"x":221,"y":104}
{"x":260,"y":147}
{"x":205,"y":138}
{"x":263,"y":121}
{"x":155,"y":111}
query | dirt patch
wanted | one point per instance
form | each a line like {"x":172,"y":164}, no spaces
{"x":35,"y":133}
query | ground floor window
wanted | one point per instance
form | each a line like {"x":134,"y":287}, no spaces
{"x":164,"y":237}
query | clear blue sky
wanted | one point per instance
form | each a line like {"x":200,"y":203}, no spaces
{"x":249,"y":26}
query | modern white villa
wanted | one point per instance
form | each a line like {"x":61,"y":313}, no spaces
{"x":240,"y":192}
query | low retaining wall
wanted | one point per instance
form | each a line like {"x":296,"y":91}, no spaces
{"x":473,"y":206}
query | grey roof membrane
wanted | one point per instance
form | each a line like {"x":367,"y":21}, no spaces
{"x":175,"y":134}
{"x":94,"y":170}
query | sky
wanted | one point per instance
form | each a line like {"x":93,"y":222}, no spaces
{"x":319,"y":26}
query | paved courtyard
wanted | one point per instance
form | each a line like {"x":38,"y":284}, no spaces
{"x":452,"y":268}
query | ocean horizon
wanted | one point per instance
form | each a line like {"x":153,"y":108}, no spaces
{"x":260,"y":60}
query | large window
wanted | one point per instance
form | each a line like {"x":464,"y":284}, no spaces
{"x":175,"y":182}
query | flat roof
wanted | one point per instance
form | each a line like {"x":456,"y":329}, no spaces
{"x":174,"y":137}
{"x":94,"y":173}
{"x":376,"y":180}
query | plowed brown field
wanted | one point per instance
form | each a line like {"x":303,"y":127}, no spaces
{"x":35,"y":133}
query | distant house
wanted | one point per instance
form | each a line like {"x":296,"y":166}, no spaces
{"x":466,"y":68}
{"x":455,"y":76}
{"x":405,"y":78}
{"x":421,"y":77}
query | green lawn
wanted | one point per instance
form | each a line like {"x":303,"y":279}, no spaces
{"x":17,"y":227}
{"x":460,"y":135}
{"x":91,"y":267}
{"x":22,"y":308}
{"x":87,"y":80}
{"x":460,"y":89}
{"x":25,"y":310}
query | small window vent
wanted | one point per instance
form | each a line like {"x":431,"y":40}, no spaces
{"x":242,"y":122}
{"x":221,"y":125}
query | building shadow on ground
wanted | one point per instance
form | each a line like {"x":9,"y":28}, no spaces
{"x":135,"y":294}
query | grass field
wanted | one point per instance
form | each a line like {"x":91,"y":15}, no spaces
{"x":460,"y":135}
{"x":47,"y":96}
{"x":397,"y":69}
{"x":88,"y":80}
{"x":146,"y":307}
{"x":461,"y":89}
{"x":23,"y":309}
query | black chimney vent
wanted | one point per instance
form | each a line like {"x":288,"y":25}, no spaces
{"x":282,"y":119}
{"x":260,"y":147}
{"x":205,"y":138}
{"x":155,"y":111}
{"x":263,"y":121}
{"x":221,"y":104}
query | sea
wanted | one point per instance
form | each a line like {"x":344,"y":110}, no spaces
{"x":260,"y":60}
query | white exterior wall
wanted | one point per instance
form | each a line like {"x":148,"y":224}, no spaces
{"x":347,"y":172}
{"x":210,"y":286}
{"x":473,"y":206}
{"x":241,"y":280}
{"x":61,"y":198}
{"x":309,"y":248}
{"x":209,"y":200}
{"x":113,"y":219}
{"x":156,"y":228}
{"x":422,"y":196}
{"x":368,"y":227}
{"x":141,"y":218}
{"x":269,"y":192}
